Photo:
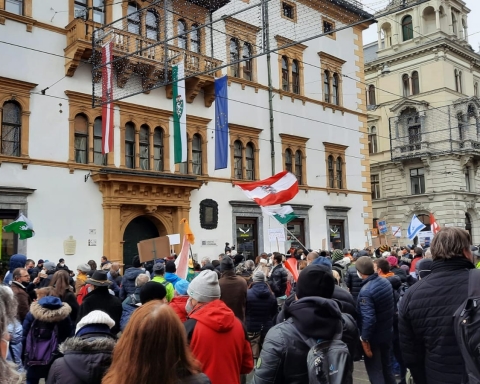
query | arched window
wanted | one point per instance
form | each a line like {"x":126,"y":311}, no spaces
{"x":298,"y":166}
{"x":11,"y":129}
{"x":247,"y":64}
{"x":98,"y":157}
{"x":475,"y":89}
{"x":152,"y":25}
{"x":144,"y":146}
{"x":81,"y":138}
{"x":407,"y":28}
{"x":461,"y":129}
{"x":331,"y":172}
{"x":237,"y":159}
{"x":285,"y":79}
{"x":295,"y":77}
{"x":129,"y":145}
{"x":195,"y":39}
{"x":80,"y":9}
{"x":326,"y":86}
{"x":415,"y":83}
{"x":339,"y":167}
{"x":98,"y":11}
{"x":14,"y":6}
{"x":133,"y":18}
{"x":335,"y":94}
{"x":454,"y":23}
{"x":182,"y":34}
{"x":288,"y":160}
{"x":406,"y":85}
{"x":460,"y":86}
{"x":250,"y":161}
{"x":411,"y":122}
{"x":372,"y":140}
{"x":197,"y":154}
{"x":158,"y":149}
{"x":371,"y":95}
{"x":235,"y":67}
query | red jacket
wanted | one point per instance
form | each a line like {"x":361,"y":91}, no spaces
{"x":178,"y":305}
{"x":415,"y":260}
{"x":219,"y":342}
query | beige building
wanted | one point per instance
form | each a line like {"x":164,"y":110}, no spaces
{"x":422,"y":81}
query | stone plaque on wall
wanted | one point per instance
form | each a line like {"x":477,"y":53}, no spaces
{"x":69,"y":246}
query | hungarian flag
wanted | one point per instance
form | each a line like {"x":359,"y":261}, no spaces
{"x":275,"y":190}
{"x":179,"y":114}
{"x":107,"y":96}
{"x":283,"y":214}
{"x":22,"y":227}
{"x":434,"y":227}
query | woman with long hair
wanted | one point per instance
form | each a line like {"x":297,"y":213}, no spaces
{"x":153,"y":349}
{"x":62,"y":290}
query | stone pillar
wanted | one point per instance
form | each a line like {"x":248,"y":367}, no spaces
{"x":380,"y":40}
{"x":137,"y":148}
{"x":437,"y":19}
{"x":112,"y":238}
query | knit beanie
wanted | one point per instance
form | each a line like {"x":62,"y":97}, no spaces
{"x":95,"y":317}
{"x":337,"y":255}
{"x":424,"y":267}
{"x":322,"y":260}
{"x":315,"y":280}
{"x":181,"y":286}
{"x":152,"y":291}
{"x":204,"y":288}
{"x":226,"y":264}
{"x":392,"y":260}
{"x":258,"y":277}
{"x":49,"y":266}
{"x":364,"y":265}
{"x":84,"y":267}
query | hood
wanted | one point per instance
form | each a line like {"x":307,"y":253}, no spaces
{"x":17,"y":261}
{"x":316,"y":317}
{"x":261,"y":290}
{"x":132,"y":273}
{"x":93,"y":344}
{"x":396,"y":282}
{"x":215,"y":315}
{"x":50,"y":315}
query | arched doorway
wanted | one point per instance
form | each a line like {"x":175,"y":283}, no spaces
{"x":140,"y":228}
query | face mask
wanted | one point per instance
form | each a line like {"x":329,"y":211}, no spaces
{"x":62,"y":265}
{"x":359,"y":275}
{"x":189,"y":306}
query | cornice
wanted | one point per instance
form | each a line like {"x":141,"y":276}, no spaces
{"x":243,"y":130}
{"x":332,"y":59}
{"x":283,"y":41}
{"x":16,"y":85}
{"x":334,"y":147}
{"x":293,"y":139}
{"x":231,"y":23}
{"x":197,"y":120}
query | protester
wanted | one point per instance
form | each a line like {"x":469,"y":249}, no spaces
{"x":16,"y":261}
{"x":30,"y":266}
{"x":46,"y":275}
{"x":233,"y":289}
{"x":159,"y":271}
{"x":21,"y":279}
{"x":353,"y":282}
{"x":128,"y":280}
{"x":35,"y":271}
{"x":82,"y":270}
{"x":423,"y":268}
{"x":88,"y":355}
{"x":393,"y":261}
{"x":417,"y":257}
{"x":131,"y":302}
{"x":103,"y":262}
{"x":63,"y":290}
{"x":114,"y":274}
{"x":61,"y":265}
{"x":278,"y":277}
{"x":93,"y":266}
{"x":180,"y":299}
{"x":170,"y":273}
{"x":205,"y":261}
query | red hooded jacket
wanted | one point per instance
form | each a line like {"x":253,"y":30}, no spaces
{"x":178,"y":305}
{"x":219,"y":342}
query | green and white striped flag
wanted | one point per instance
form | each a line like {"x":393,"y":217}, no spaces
{"x":179,"y":114}
{"x":22,"y":227}
{"x":283,"y":214}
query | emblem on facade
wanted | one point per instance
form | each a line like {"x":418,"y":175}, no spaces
{"x":179,"y":106}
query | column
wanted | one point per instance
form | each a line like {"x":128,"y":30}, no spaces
{"x":244,"y":162}
{"x":437,"y":18}
{"x":90,"y":143}
{"x":340,"y":90}
{"x":330,"y":85}
{"x":380,"y":39}
{"x":410,"y":85}
{"x":112,"y":238}
{"x":122,"y":146}
{"x":71,"y":139}
{"x":24,"y":134}
{"x":150,"y":150}
{"x":290,"y":75}
{"x":137,"y":148}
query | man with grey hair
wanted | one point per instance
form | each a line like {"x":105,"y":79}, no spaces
{"x":132,"y":301}
{"x":205,"y":261}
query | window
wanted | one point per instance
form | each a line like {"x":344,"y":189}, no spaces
{"x":288,"y":11}
{"x":336,"y":175}
{"x":197,"y":154}
{"x":238,"y":159}
{"x":326,"y":86}
{"x":247,"y":64}
{"x":250,"y":161}
{"x":129,"y":145}
{"x":328,"y":27}
{"x":11,"y":129}
{"x":98,"y":157}
{"x":295,"y":78}
{"x":375,"y":186}
{"x":339,"y":166}
{"x":415,"y":83}
{"x":406,"y":85}
{"x":414,"y":135}
{"x":235,"y":66}
{"x":144,"y":147}
{"x":372,"y":141}
{"x":195,"y":39}
{"x":371,"y":95}
{"x":454,"y":23}
{"x":467,"y":179}
{"x":331,"y":172}
{"x":417,"y":180}
{"x":407,"y":28}
{"x":461,"y":129}
{"x":458,"y":80}
{"x":475,"y":89}
{"x":158,"y":149}
{"x":133,"y":18}
{"x":152,"y":25}
{"x":298,"y":166}
{"x":335,"y":98}
{"x":80,"y":9}
{"x":182,"y":34}
{"x":288,"y":160}
{"x":14,"y":6}
{"x":285,"y":79}
{"x":81,"y":139}
{"x":98,"y":11}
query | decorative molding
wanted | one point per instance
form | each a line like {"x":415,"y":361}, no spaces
{"x":331,"y":62}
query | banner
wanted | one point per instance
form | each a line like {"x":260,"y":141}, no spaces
{"x":179,"y":114}
{"x":221,"y":123}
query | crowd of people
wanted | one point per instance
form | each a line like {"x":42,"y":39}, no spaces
{"x":280,"y":318}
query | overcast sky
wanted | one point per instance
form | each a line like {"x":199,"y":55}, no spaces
{"x":370,"y":35}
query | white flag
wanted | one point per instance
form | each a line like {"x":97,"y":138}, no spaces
{"x":415,"y":226}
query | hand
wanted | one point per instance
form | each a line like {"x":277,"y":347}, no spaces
{"x":367,"y":349}
{"x":36,"y":280}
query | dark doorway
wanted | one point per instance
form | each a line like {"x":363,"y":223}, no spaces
{"x":297,"y":228}
{"x":140,"y":228}
{"x":9,"y":241}
{"x":337,"y":234}
{"x":246,"y":241}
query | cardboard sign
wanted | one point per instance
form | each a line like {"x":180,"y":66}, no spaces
{"x":374,"y":232}
{"x":152,"y":249}
{"x":397,"y":232}
{"x":276,"y":234}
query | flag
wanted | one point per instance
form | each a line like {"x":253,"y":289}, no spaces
{"x":22,"y":227}
{"x":277,"y":189}
{"x":187,"y":231}
{"x":107,"y":96}
{"x":182,"y":260}
{"x":283,"y":214}
{"x":179,"y":114}
{"x":434,"y":225}
{"x":415,"y":227}
{"x":221,"y":123}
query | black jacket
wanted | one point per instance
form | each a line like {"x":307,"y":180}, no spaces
{"x":427,"y":337}
{"x":278,"y":280}
{"x":400,"y":273}
{"x":346,"y":301}
{"x":261,"y":308}
{"x":354,"y":283}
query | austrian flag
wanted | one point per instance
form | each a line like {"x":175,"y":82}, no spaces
{"x":107,"y":96}
{"x":277,"y":189}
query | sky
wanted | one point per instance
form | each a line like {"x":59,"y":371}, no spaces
{"x":370,"y":34}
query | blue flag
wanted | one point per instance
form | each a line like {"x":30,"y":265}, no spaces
{"x":415,"y":226}
{"x":221,"y":123}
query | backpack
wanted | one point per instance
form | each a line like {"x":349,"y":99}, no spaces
{"x":41,"y":344}
{"x":82,"y":293}
{"x":466,"y":325}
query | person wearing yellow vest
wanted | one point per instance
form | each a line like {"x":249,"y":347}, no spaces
{"x":159,"y":271}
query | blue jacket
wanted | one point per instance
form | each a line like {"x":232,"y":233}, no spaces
{"x":16,"y":261}
{"x":375,"y":307}
{"x":128,"y":307}
{"x":15,"y":350}
{"x":261,"y":308}
{"x":172,"y":278}
{"x":128,"y":282}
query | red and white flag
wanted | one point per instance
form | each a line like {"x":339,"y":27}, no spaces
{"x":277,"y":189}
{"x":107,"y":96}
{"x":434,"y":227}
{"x":182,"y":260}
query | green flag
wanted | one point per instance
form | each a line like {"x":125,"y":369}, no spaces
{"x":179,"y":114}
{"x":283,"y":214}
{"x":22,"y":227}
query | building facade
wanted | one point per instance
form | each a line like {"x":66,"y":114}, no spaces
{"x":85,"y":205}
{"x":422,"y":81}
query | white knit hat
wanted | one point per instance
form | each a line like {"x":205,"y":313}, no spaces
{"x":95,"y":317}
{"x":204,"y":288}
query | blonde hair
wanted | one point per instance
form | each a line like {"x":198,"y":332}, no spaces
{"x":336,"y":276}
{"x":43,"y":292}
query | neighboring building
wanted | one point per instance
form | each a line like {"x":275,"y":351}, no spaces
{"x":52,"y":168}
{"x":422,"y":81}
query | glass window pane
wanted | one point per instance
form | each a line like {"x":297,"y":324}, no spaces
{"x":11,"y":113}
{"x":129,"y":132}
{"x":158,"y":136}
{"x":14,"y":6}
{"x":97,"y":127}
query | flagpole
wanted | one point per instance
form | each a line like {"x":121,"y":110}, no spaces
{"x":291,"y":234}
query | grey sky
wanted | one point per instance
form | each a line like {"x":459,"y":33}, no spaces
{"x":370,"y":34}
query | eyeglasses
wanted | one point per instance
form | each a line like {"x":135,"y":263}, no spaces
{"x":25,"y":276}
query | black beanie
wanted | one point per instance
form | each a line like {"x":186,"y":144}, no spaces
{"x":170,"y":267}
{"x":152,"y":291}
{"x":315,"y":280}
{"x":226,"y":264}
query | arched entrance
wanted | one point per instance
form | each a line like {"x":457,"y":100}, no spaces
{"x":140,"y":228}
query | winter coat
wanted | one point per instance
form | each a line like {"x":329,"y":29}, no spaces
{"x":233,"y":291}
{"x":400,"y":273}
{"x":71,"y":300}
{"x":415,"y":260}
{"x":354,"y":283}
{"x":172,"y":278}
{"x":168,"y":286}
{"x":23,"y":300}
{"x":375,"y":307}
{"x":216,"y":325}
{"x":261,"y":308}
{"x":128,"y":307}
{"x":178,"y":305}
{"x":101,"y":299}
{"x":15,"y":350}
{"x":80,"y":282}
{"x":85,"y":359}
{"x":128,"y":282}
{"x":427,"y":337}
{"x":278,"y":280}
{"x":283,"y":358}
{"x":16,"y":261}
{"x":45,"y":281}
{"x":347,"y":304}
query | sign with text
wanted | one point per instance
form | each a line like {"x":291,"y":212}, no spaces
{"x":382,"y":227}
{"x":174,"y":239}
{"x":276,"y":234}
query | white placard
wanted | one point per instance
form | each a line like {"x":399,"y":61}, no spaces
{"x":174,"y":239}
{"x":397,"y":232}
{"x":276,"y":234}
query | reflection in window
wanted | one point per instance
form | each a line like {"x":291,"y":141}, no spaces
{"x":98,"y":11}
{"x":197,"y":154}
{"x":298,"y":166}
{"x":79,"y":9}
{"x":288,"y":160}
{"x":250,"y":161}
{"x":235,"y":66}
{"x":182,"y":34}
{"x":133,"y":18}
{"x":295,"y":77}
{"x":331,"y":172}
{"x":98,"y":157}
{"x":285,"y":79}
{"x":81,"y":139}
{"x":158,"y":149}
{"x":237,"y":160}
{"x":14,"y":6}
{"x":144,"y":147}
{"x":129,"y":145}
{"x":195,"y":39}
{"x":247,"y":64}
{"x":339,"y":173}
{"x":152,"y":25}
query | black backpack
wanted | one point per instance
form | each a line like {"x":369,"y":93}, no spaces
{"x":466,"y":326}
